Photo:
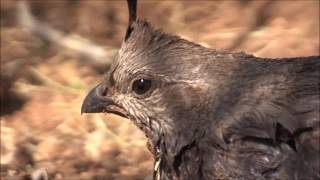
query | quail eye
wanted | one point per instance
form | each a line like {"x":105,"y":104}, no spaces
{"x":141,"y":86}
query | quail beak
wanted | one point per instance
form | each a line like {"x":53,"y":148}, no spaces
{"x":97,"y":102}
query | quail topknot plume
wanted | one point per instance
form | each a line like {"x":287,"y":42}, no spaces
{"x":214,"y":115}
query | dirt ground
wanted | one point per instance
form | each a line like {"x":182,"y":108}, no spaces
{"x":43,"y":84}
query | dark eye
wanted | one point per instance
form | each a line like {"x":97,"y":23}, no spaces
{"x":141,"y":86}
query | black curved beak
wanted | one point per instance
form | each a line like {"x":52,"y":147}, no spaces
{"x":95,"y":102}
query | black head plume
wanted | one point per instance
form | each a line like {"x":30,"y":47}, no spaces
{"x":132,"y":6}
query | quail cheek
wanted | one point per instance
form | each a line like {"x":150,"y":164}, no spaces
{"x":116,"y":110}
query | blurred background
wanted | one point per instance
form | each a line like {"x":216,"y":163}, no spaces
{"x":54,"y":51}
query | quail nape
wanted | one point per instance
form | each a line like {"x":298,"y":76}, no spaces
{"x":214,"y":115}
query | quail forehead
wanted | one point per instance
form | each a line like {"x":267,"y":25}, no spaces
{"x":131,"y":62}
{"x":128,"y":67}
{"x":124,"y":72}
{"x":119,"y":69}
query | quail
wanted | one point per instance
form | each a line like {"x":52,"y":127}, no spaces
{"x":210,"y":114}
